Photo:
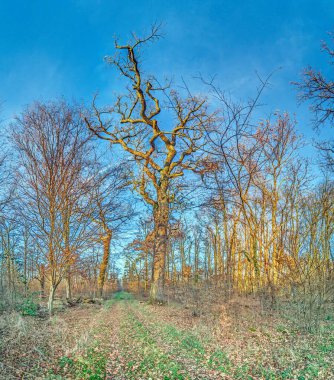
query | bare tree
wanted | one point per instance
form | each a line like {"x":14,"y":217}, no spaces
{"x":318,"y":90}
{"x":163,"y":150}
{"x":52,"y":143}
{"x":109,"y":209}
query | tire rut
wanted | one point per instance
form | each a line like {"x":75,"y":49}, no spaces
{"x":115,"y":369}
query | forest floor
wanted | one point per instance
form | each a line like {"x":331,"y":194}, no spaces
{"x":125,"y":338}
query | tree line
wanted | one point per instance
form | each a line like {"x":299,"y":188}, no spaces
{"x":223,"y":197}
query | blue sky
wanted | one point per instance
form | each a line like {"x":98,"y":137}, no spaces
{"x":56,"y":48}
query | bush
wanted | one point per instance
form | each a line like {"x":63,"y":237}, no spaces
{"x":28,"y":307}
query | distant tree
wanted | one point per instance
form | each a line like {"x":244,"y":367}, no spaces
{"x":109,"y":210}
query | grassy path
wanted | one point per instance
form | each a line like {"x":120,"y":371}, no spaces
{"x":138,"y":355}
{"x":124,"y":345}
{"x":145,"y":347}
{"x":200,"y":358}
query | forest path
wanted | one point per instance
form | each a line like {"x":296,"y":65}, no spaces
{"x":147,"y":345}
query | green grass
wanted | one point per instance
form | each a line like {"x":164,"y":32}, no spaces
{"x":122,"y":296}
{"x":189,"y":345}
{"x":91,"y":365}
{"x":119,"y":296}
{"x":187,"y":341}
{"x":147,"y":358}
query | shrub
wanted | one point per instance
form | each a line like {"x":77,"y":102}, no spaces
{"x":28,"y":307}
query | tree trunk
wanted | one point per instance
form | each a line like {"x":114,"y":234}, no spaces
{"x":51,"y":298}
{"x":68,"y":285}
{"x":146,"y":271}
{"x":42,"y":280}
{"x":25,"y":255}
{"x":66,"y":236}
{"x":42,"y":283}
{"x":105,"y":261}
{"x":161,"y":219}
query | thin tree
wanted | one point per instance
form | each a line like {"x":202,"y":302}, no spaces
{"x":109,"y":210}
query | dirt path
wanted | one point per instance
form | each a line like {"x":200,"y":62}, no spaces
{"x":135,"y":352}
{"x":116,"y":362}
{"x":144,"y":347}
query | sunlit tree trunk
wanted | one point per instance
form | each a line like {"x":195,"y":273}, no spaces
{"x":52,"y":292}
{"x":146,"y":271}
{"x":106,"y":239}
{"x":161,"y":219}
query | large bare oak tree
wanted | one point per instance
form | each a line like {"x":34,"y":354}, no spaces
{"x":161,"y":130}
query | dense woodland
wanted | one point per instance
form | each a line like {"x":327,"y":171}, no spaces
{"x":168,"y":193}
